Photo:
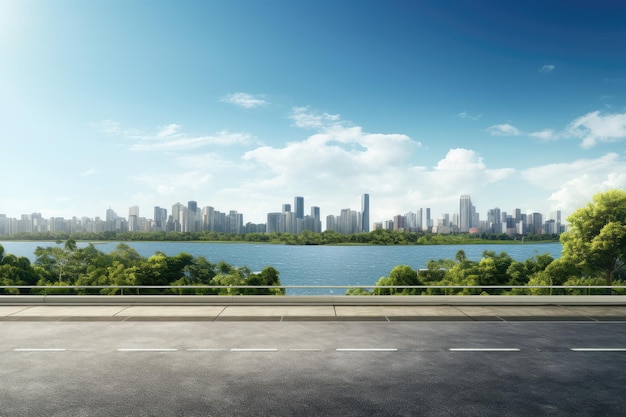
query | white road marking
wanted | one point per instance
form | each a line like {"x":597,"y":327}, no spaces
{"x":484,"y":350}
{"x":39,"y":350}
{"x":253,"y":350}
{"x":366,"y":350}
{"x":598,"y":349}
{"x":206,"y":350}
{"x":147,"y":350}
{"x":305,"y":350}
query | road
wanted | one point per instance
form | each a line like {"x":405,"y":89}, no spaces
{"x":190,"y":368}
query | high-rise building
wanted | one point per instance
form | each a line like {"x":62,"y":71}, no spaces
{"x":556,"y":216}
{"x":193,"y":217}
{"x":133,"y":219}
{"x":179,"y":216}
{"x":419,"y":224}
{"x":466,"y":213}
{"x":160,"y":218}
{"x":365,"y":213}
{"x":298,"y":207}
{"x":317,"y":219}
{"x":535,"y":223}
{"x":494,"y":221}
{"x":399,"y":222}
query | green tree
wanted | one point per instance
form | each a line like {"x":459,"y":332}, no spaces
{"x":596,"y":240}
{"x":401,"y":275}
{"x":267,"y":277}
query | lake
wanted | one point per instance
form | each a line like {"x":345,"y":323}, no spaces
{"x":313,"y":265}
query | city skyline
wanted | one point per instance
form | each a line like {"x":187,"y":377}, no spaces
{"x":244,"y":105}
{"x":194,"y":218}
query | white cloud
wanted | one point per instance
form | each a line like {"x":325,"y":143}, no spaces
{"x":545,"y":135}
{"x":305,"y":118}
{"x":573,"y":184}
{"x":171,"y":138}
{"x":335,"y":164}
{"x":168,"y":131}
{"x":503,"y":130}
{"x":464,"y":169}
{"x":594,"y":128}
{"x":466,"y":116}
{"x":245,"y":100}
{"x":332,"y":167}
{"x":547,"y":68}
{"x":183,"y":142}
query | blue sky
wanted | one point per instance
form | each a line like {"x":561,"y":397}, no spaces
{"x":242,"y":105}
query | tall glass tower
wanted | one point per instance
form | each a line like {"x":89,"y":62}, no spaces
{"x":365,"y":213}
{"x":298,"y":207}
{"x":466,"y":213}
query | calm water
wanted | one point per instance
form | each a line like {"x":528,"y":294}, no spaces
{"x":314,"y":265}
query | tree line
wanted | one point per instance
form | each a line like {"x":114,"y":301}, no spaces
{"x":69,"y":265}
{"x":307,"y":237}
{"x":594,"y":254}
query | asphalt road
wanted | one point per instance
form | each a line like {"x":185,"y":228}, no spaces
{"x":312,"y":369}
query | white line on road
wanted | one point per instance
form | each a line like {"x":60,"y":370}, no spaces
{"x":39,"y":350}
{"x":253,"y":350}
{"x":146,"y":350}
{"x":367,"y":350}
{"x":598,"y":349}
{"x":206,"y":350}
{"x":305,"y":350}
{"x":484,"y":350}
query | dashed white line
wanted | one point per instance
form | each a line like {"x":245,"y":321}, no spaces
{"x":253,"y":350}
{"x":146,"y":350}
{"x":206,"y":350}
{"x":367,"y":350}
{"x":39,"y":350}
{"x":598,"y":349}
{"x":305,"y":350}
{"x":484,"y":349}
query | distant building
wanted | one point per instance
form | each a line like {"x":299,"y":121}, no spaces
{"x":466,"y":213}
{"x":365,"y":213}
{"x":298,"y":207}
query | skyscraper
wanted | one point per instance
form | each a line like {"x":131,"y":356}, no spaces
{"x":133,"y":219}
{"x":298,"y":207}
{"x":179,"y":214}
{"x":160,"y":218}
{"x":365,"y":213}
{"x":466,"y":213}
{"x":317,"y":219}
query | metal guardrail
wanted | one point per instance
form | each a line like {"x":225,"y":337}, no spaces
{"x":137,"y":288}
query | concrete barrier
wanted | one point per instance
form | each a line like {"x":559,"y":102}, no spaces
{"x":408,"y":300}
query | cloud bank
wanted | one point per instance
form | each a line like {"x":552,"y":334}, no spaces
{"x":592,"y":129}
{"x":335,"y":161}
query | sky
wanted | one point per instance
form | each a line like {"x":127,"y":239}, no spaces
{"x":244,"y":104}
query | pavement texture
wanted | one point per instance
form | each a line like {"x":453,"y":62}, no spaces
{"x":29,"y":312}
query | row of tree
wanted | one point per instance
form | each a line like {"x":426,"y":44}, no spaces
{"x":594,"y":254}
{"x":72,"y":266}
{"x":492,"y":270}
{"x":327,"y":237}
